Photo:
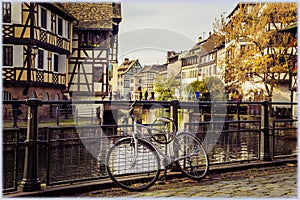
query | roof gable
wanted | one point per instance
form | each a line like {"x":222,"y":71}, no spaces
{"x":127,"y":65}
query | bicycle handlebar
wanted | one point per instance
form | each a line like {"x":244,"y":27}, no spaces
{"x":132,"y":108}
{"x":132,"y":105}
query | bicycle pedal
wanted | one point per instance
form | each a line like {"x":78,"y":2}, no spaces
{"x":169,"y":166}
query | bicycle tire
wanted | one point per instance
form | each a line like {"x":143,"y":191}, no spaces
{"x":141,"y":175}
{"x":195,"y":167}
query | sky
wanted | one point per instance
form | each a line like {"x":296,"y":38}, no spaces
{"x":151,"y":28}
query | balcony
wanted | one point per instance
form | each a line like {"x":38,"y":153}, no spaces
{"x":20,"y":34}
{"x":18,"y":76}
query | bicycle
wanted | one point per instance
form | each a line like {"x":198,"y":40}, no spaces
{"x":134,"y":162}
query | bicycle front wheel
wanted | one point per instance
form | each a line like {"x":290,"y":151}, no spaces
{"x":133,"y":171}
{"x":191,"y":155}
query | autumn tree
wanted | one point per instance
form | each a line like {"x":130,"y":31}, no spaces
{"x":257,"y":50}
{"x":211,"y":87}
{"x":196,"y":86}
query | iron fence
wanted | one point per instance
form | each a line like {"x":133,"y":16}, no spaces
{"x":71,"y":142}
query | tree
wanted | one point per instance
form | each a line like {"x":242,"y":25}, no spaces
{"x":196,"y":86}
{"x":257,"y":50}
{"x":165,"y":87}
{"x":211,"y":87}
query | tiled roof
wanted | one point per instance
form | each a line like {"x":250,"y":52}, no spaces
{"x":58,"y":9}
{"x":100,"y":15}
{"x":126,"y":65}
{"x":212,"y":42}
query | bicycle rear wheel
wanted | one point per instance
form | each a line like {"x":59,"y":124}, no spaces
{"x":194,"y":162}
{"x":131,"y":174}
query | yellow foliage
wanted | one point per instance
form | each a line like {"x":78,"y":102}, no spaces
{"x":255,"y":42}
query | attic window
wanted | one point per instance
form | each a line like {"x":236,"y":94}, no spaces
{"x":92,"y":39}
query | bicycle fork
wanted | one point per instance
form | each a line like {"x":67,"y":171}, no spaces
{"x":134,"y":141}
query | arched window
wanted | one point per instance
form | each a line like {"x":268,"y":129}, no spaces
{"x":46,"y":96}
{"x":34,"y":95}
{"x":57,"y":97}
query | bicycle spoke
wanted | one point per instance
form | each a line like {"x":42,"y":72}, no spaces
{"x":191,"y":156}
{"x":134,"y":172}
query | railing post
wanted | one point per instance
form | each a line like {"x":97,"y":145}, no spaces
{"x":76,"y":117}
{"x":265,"y":153}
{"x":57,"y":115}
{"x":175,"y":106}
{"x":30,"y":180}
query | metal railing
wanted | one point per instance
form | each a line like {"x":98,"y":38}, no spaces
{"x":65,"y":146}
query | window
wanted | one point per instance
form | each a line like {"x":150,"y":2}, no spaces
{"x":40,"y":59}
{"x":6,"y":96}
{"x":59,"y":26}
{"x":243,"y":49}
{"x":43,"y":18}
{"x":98,"y":74}
{"x":6,"y":12}
{"x":55,"y":63}
{"x":53,"y":22}
{"x":7,"y":55}
{"x":46,"y":96}
{"x":92,"y":39}
{"x":68,"y":30}
{"x":34,"y":95}
{"x":126,"y":84}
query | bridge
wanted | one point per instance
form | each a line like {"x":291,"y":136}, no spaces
{"x":63,"y":143}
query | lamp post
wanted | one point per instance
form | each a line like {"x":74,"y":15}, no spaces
{"x":30,"y":180}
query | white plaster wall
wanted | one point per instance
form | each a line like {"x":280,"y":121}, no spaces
{"x":62,"y":63}
{"x":18,"y":56}
{"x":45,"y":67}
{"x":281,"y":94}
{"x":16,"y":13}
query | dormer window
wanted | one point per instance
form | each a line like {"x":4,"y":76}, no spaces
{"x":92,"y":39}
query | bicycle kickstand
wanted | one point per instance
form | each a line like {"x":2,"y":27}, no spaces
{"x":164,"y":176}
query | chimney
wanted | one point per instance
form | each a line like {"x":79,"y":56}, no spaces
{"x":199,"y":39}
{"x":170,"y":53}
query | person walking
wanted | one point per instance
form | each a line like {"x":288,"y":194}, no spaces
{"x":146,"y":95}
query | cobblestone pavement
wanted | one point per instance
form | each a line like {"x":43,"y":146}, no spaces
{"x":277,"y":181}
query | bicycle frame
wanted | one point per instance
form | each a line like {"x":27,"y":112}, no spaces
{"x":135,"y":138}
{"x":136,"y":132}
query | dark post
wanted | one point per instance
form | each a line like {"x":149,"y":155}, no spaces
{"x":76,"y":116}
{"x":30,"y":180}
{"x":57,"y":115}
{"x":175,"y":106}
{"x":265,"y":154}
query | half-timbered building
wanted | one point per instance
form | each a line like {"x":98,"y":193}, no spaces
{"x":36,"y":45}
{"x":126,"y":70}
{"x":94,"y":47}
